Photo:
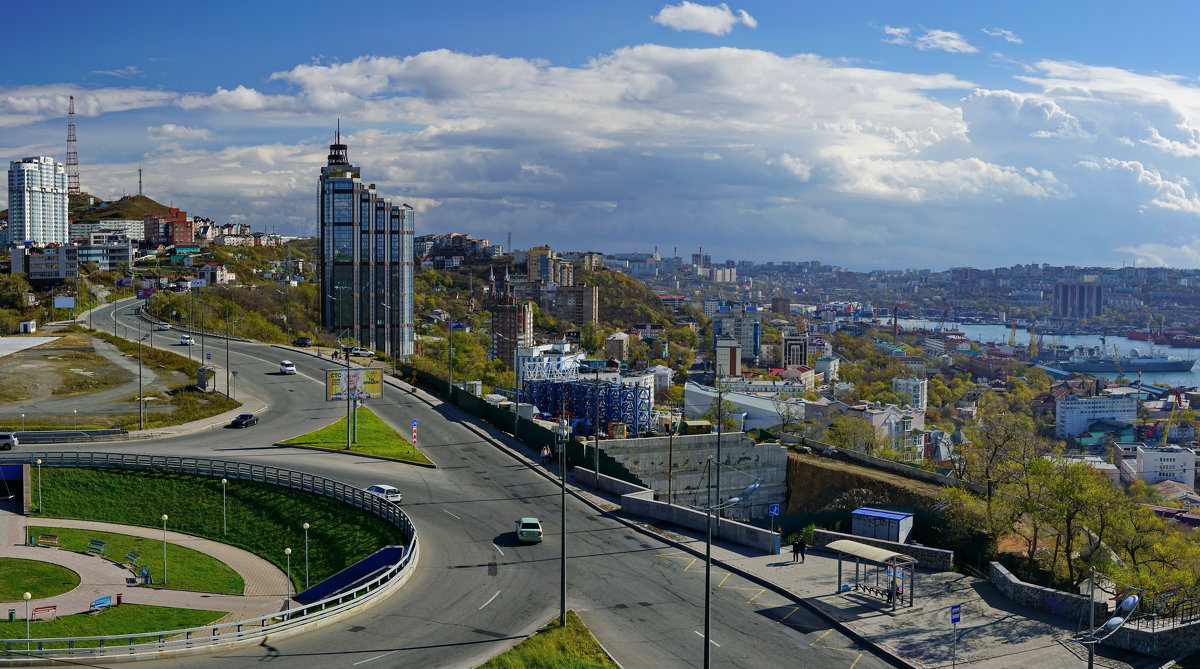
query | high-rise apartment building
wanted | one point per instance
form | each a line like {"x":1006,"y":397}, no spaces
{"x":577,"y":304}
{"x":366,"y":259}
{"x":1078,"y":300}
{"x":743,"y":323}
{"x":173,"y":228}
{"x":537,"y":259}
{"x":37,"y":201}
{"x":512,"y":326}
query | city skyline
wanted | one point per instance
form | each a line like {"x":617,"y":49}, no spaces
{"x":874,"y":136}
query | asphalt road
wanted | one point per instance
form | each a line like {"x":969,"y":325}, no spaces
{"x":476,"y":592}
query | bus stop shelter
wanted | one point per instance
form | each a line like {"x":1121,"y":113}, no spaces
{"x":885,"y":574}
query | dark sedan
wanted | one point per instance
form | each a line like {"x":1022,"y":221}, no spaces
{"x":244,"y":420}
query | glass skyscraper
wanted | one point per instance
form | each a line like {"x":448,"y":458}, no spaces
{"x":37,"y":201}
{"x":366,"y":258}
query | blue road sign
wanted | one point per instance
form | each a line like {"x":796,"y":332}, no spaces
{"x":208,"y":356}
{"x":773,"y":510}
{"x":955,"y":614}
{"x":414,"y":422}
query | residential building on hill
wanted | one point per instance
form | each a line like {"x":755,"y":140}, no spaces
{"x":37,"y":201}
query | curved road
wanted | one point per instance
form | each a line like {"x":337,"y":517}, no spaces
{"x":475,"y":592}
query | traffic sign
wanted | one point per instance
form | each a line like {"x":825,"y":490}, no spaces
{"x":955,"y":614}
{"x":773,"y":510}
{"x":414,"y":422}
{"x":208,"y":356}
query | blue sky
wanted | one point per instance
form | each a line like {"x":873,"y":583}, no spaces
{"x":864,"y":134}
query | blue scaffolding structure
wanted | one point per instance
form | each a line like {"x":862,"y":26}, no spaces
{"x":617,"y":403}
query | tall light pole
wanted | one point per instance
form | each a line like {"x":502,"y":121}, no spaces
{"x":41,"y":509}
{"x":164,"y":519}
{"x":596,"y":428}
{"x":75,"y":419}
{"x":517,"y":380}
{"x":287,"y":308}
{"x":305,"y":526}
{"x":391,"y":340}
{"x":23,"y":420}
{"x":231,"y":324}
{"x":708,"y":518}
{"x":346,"y":348}
{"x":562,"y":432}
{"x":288,"y":552}
{"x":450,"y":365}
{"x":27,"y":596}
{"x":141,"y":399}
{"x":224,"y":509}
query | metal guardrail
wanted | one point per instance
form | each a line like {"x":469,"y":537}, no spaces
{"x":227,"y":633}
{"x":60,"y":436}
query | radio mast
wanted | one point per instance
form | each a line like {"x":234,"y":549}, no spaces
{"x":72,"y":152}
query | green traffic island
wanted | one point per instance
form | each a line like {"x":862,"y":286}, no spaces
{"x":19,"y":576}
{"x":553,"y":646}
{"x":260,"y":518}
{"x":113,"y":620}
{"x":188,"y":569}
{"x":375,"y":438}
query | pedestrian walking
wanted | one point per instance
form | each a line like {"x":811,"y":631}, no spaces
{"x":545,"y":455}
{"x":796,"y":548}
{"x":801,"y":545}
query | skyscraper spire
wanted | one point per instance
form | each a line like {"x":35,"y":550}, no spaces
{"x":338,"y":154}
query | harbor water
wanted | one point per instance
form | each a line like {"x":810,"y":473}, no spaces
{"x":999,"y":334}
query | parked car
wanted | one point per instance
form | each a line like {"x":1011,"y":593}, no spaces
{"x":163,"y":326}
{"x":385,"y":491}
{"x":244,"y":420}
{"x":362,"y":352}
{"x":287,"y":367}
{"x":529,"y":530}
{"x":186,"y":340}
{"x":7,"y":440}
{"x":302,"y":341}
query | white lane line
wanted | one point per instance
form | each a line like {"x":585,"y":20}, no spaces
{"x":498,"y":550}
{"x":490,"y":600}
{"x":451,"y":514}
{"x":701,"y":635}
{"x":371,"y":659}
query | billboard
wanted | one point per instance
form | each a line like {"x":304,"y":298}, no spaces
{"x":144,"y":292}
{"x":124,"y":283}
{"x":64,"y":303}
{"x":363,"y":383}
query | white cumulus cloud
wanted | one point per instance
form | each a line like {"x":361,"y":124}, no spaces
{"x":1006,"y":35}
{"x":170,"y":131}
{"x":714,"y":20}
{"x":237,"y":99}
{"x":944,"y":40}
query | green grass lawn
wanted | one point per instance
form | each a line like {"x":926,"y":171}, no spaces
{"x":42,"y":578}
{"x":187,"y":569}
{"x":123,"y":619}
{"x":263,"y":519}
{"x":555,"y":648}
{"x":375,"y":437}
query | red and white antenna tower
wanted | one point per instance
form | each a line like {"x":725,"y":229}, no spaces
{"x":72,"y":152}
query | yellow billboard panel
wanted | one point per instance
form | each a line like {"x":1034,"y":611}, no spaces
{"x":362,"y":383}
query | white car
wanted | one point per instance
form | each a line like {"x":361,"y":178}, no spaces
{"x":362,"y":352}
{"x":385,"y":491}
{"x":7,"y":440}
{"x":186,"y":340}
{"x":287,"y":367}
{"x":163,"y":326}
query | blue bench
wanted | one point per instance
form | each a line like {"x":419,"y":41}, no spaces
{"x":101,"y":604}
{"x":145,"y":574}
{"x":133,"y":558}
{"x":96,"y":546}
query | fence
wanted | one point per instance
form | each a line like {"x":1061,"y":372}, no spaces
{"x":232,"y":632}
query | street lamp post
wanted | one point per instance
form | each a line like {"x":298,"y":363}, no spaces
{"x":305,"y":526}
{"x":708,"y":523}
{"x":41,"y":509}
{"x":27,"y":596}
{"x":224,"y":509}
{"x":596,"y":428}
{"x":562,"y":432}
{"x":23,"y":421}
{"x":141,"y":399}
{"x":231,"y":324}
{"x":75,"y":419}
{"x":164,"y":519}
{"x":391,"y":340}
{"x":288,"y":552}
{"x":517,"y":380}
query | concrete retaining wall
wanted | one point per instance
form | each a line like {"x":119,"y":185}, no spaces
{"x":897,"y":467}
{"x":1172,"y":642}
{"x":638,"y":501}
{"x":934,"y":559}
{"x":1068,"y":605}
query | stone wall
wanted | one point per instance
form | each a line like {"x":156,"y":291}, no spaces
{"x":1167,"y":643}
{"x":1070,"y":606}
{"x":934,"y":559}
{"x":649,"y":459}
{"x":897,"y":467}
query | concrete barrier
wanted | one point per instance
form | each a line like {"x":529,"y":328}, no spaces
{"x":1068,"y":605}
{"x":934,"y":559}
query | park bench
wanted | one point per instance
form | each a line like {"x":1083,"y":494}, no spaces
{"x":96,"y":546}
{"x":101,"y":604}
{"x":48,"y":540}
{"x":44,"y":613}
{"x":144,"y":572}
{"x":133,"y":558}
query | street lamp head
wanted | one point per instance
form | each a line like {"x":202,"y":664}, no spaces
{"x":27,"y":596}
{"x":224,"y":481}
{"x":39,"y":462}
{"x":164,"y":517}
{"x":306,"y":526}
{"x":287,"y":551}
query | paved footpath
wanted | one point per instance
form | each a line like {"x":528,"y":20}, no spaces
{"x":267,"y":589}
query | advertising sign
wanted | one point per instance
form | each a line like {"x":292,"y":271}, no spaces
{"x":199,"y":283}
{"x":124,"y":283}
{"x":145,"y":292}
{"x":64,"y":303}
{"x":362,"y":383}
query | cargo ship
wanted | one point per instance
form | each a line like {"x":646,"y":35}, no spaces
{"x":1091,"y":361}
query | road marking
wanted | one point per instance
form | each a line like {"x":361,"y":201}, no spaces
{"x":699,"y":634}
{"x":490,"y":600}
{"x":444,"y":511}
{"x":498,"y":549}
{"x":371,"y":659}
{"x":692,"y":561}
{"x":818,"y":644}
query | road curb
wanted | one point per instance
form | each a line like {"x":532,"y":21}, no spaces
{"x":342,"y":451}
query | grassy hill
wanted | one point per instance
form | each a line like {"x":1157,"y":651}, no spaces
{"x":129,"y":208}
